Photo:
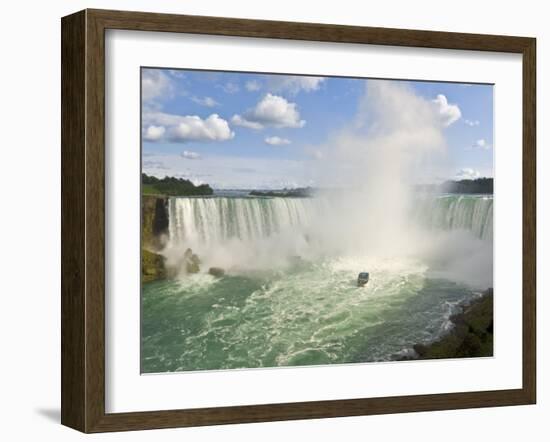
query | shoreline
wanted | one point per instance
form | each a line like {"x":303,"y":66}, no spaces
{"x":470,"y":337}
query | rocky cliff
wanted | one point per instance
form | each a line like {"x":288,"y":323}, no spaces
{"x":154,"y":235}
{"x":471,"y":336}
{"x":154,"y":222}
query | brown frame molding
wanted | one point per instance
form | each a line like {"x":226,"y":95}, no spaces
{"x":83,"y":218}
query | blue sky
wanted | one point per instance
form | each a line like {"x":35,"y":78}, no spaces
{"x":241,"y":130}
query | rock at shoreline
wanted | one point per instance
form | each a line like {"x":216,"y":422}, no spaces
{"x":191,"y":261}
{"x":218,"y":272}
{"x":472,"y":335}
{"x":152,"y":266}
{"x":154,"y":222}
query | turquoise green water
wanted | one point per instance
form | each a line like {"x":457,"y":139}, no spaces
{"x":306,"y":311}
{"x":307,"y":314}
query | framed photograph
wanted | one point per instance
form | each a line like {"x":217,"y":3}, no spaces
{"x":268,"y":221}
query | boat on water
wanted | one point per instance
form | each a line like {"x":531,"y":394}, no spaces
{"x":362,"y":279}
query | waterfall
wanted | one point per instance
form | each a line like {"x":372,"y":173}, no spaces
{"x":213,"y":220}
{"x":458,"y":212}
{"x":210,"y":221}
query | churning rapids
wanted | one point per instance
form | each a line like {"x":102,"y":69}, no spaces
{"x":289,"y":294}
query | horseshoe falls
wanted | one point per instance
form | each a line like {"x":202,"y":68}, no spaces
{"x":208,"y":221}
{"x":289,"y":295}
{"x":471,"y":213}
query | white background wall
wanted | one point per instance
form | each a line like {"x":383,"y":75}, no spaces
{"x":30,"y":217}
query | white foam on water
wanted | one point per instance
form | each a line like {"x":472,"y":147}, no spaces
{"x":451,"y":234}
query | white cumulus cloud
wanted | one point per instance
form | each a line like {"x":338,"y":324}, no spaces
{"x":482,"y":144}
{"x":276,"y":141}
{"x":467,"y":173}
{"x":252,"y":86}
{"x":190,"y":155}
{"x":154,"y":133}
{"x":179,"y":128}
{"x":294,"y":84}
{"x":471,"y":123}
{"x":230,"y":87}
{"x":449,"y":113}
{"x":205,"y":101}
{"x":155,"y":84}
{"x":237,"y":120}
{"x":195,"y":128}
{"x":270,"y":111}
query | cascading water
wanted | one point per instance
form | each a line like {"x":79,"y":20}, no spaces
{"x":472,"y":213}
{"x":211,"y":221}
{"x":310,"y":310}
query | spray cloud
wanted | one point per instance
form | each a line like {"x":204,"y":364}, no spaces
{"x":366,"y":210}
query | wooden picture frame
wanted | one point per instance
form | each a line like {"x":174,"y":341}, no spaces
{"x":83,"y":220}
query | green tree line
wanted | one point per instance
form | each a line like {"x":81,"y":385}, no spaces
{"x":172,"y":186}
{"x":479,"y":185}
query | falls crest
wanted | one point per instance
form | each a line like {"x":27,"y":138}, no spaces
{"x":472,"y":213}
{"x":210,"y":221}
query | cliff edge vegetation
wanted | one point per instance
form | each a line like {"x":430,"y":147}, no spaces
{"x":299,"y":192}
{"x":172,"y":186}
{"x":483,"y":186}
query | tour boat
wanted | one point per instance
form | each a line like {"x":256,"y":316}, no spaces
{"x":362,"y":279}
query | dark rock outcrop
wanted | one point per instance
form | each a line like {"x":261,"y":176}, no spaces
{"x":218,"y":272}
{"x":191,"y":261}
{"x":471,"y":336}
{"x":154,"y":222}
{"x":154,"y":235}
{"x":152,"y":266}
